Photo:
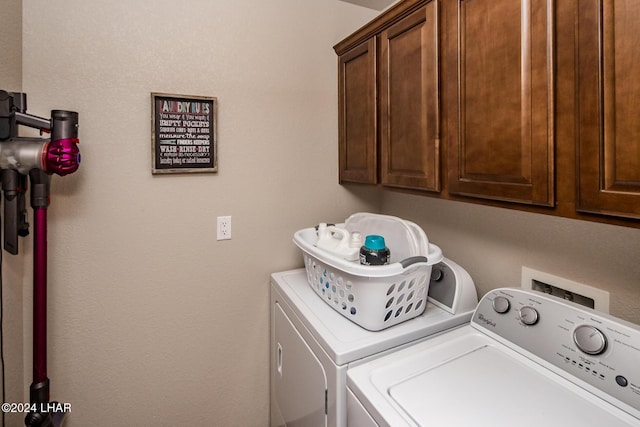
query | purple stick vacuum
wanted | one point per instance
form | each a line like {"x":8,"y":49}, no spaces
{"x":62,"y":157}
{"x":39,"y":159}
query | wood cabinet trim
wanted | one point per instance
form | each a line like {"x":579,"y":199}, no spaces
{"x":379,"y":23}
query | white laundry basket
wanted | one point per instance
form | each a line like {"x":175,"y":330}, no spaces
{"x":374,"y":297}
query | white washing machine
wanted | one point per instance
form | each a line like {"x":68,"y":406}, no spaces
{"x":526,"y":359}
{"x":313,"y":346}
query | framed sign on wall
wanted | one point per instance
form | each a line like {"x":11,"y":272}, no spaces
{"x":183,"y":134}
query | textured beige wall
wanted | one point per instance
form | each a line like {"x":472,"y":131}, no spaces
{"x":493,"y":244}
{"x":152,"y":321}
{"x":11,"y":42}
{"x":13,"y":267}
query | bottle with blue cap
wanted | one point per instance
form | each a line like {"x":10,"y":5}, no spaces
{"x":374,"y":251}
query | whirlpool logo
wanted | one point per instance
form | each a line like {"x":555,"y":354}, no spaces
{"x":486,"y":321}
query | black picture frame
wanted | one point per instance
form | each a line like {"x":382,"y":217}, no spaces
{"x":183,"y":134}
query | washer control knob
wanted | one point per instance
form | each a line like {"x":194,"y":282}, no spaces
{"x":436,"y":274}
{"x":590,"y":340}
{"x":528,"y":315}
{"x":501,"y":304}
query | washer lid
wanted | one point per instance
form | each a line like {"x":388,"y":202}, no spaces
{"x":462,"y":379}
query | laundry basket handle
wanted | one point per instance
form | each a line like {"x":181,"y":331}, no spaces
{"x":413,"y":260}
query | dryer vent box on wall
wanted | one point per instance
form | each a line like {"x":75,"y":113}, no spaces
{"x":564,"y":288}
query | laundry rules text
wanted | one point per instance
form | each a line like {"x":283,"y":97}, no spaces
{"x":184,"y":133}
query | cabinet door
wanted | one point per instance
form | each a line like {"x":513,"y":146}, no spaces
{"x":499,"y":96}
{"x":357,"y":114}
{"x":609,"y":101}
{"x":409,"y":128}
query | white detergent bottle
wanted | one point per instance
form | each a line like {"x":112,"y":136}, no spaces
{"x":325,"y":237}
{"x":339,"y":242}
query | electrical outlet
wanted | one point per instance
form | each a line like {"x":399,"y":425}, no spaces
{"x":224,"y":228}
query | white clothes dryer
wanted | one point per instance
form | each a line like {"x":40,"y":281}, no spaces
{"x":313,"y":346}
{"x":526,"y":359}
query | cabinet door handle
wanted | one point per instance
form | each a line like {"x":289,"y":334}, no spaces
{"x":279,"y":359}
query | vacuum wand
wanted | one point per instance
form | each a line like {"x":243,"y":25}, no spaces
{"x":62,"y":158}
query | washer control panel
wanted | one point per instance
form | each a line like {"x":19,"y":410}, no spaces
{"x":594,"y":350}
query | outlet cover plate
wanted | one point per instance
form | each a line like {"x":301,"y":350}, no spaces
{"x":224,"y":228}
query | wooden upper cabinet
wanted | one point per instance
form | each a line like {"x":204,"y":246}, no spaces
{"x":609,"y":106}
{"x":499,"y":99}
{"x":357,"y":127}
{"x":409,"y":104}
{"x":391,"y":137}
